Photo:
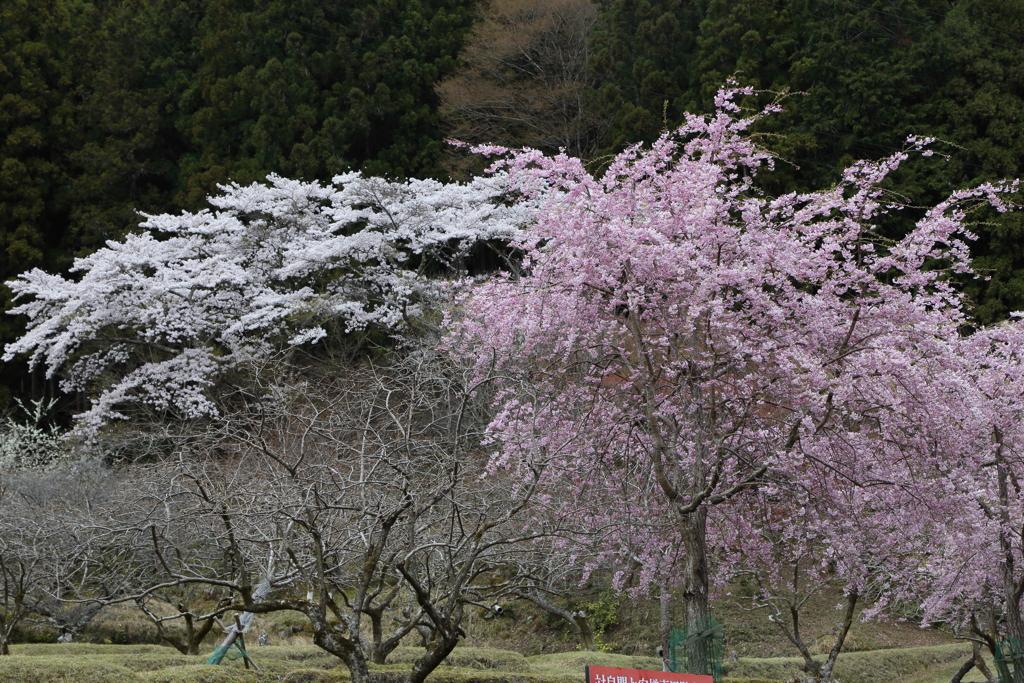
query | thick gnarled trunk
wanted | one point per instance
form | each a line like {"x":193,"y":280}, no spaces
{"x":346,"y":650}
{"x":694,"y":570}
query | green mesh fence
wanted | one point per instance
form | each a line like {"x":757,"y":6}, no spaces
{"x":224,"y":651}
{"x":1010,"y":660}
{"x":237,"y":653}
{"x":698,"y":648}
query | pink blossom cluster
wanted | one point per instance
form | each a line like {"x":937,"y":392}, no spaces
{"x":727,"y":384}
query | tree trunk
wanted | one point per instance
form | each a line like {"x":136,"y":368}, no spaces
{"x":695,"y":566}
{"x":378,"y":655}
{"x":696,"y":606}
{"x":193,"y":637}
{"x":196,"y":637}
{"x":962,"y":671}
{"x":1012,"y":588}
{"x":844,"y":629}
{"x":436,"y":653}
{"x":989,"y":637}
{"x":347,"y":651}
{"x":979,"y":662}
{"x":579,"y":618}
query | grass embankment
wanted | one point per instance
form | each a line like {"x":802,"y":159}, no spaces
{"x":874,"y":666}
{"x":85,"y":663}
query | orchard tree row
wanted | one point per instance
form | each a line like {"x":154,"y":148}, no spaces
{"x":673,"y":376}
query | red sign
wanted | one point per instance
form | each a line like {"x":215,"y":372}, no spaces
{"x":609,"y":674}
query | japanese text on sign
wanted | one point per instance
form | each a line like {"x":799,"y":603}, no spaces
{"x":608,"y":674}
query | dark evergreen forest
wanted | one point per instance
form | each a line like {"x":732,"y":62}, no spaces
{"x":108,"y":108}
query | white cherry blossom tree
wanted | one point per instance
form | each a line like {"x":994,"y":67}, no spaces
{"x":158,"y":319}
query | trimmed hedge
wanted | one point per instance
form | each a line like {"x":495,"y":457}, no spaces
{"x":15,"y":669}
{"x":315,"y":676}
{"x":468,"y":658}
{"x":561,"y":663}
{"x":200,"y":674}
{"x":868,"y":666}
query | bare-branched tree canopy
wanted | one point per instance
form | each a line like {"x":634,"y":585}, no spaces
{"x":356,"y":500}
{"x":526,"y":78}
{"x":54,"y":550}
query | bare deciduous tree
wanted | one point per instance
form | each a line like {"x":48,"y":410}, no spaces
{"x":526,"y":78}
{"x":183,"y":599}
{"x":54,"y":553}
{"x":366,"y":490}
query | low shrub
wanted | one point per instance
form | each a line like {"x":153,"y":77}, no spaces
{"x":446,"y":674}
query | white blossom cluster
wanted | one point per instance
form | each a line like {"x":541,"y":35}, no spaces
{"x":30,"y":445}
{"x":157,"y":318}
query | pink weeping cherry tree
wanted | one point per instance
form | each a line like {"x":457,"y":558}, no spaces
{"x":672,"y":323}
{"x":974,"y":578}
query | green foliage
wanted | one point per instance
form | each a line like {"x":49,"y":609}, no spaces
{"x":36,"y":124}
{"x":308,"y":89}
{"x":982,"y":107}
{"x":641,"y":51}
{"x":132,"y":63}
{"x":603,"y":612}
{"x":35,"y":119}
{"x":862,"y":77}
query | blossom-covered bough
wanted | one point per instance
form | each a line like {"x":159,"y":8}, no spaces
{"x":158,"y":319}
{"x":687,"y":342}
{"x":974,"y":578}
